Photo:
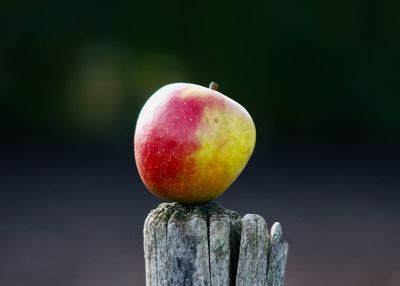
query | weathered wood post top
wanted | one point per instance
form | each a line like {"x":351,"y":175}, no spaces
{"x":209,"y":245}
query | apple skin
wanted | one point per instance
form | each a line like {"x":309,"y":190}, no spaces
{"x":192,"y":142}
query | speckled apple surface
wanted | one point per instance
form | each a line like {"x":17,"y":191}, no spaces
{"x":192,"y":142}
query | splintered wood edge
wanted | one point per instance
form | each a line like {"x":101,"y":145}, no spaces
{"x":253,"y":253}
{"x":277,"y":257}
{"x":227,"y":250}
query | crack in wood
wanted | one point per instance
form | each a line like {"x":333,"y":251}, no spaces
{"x":210,"y":245}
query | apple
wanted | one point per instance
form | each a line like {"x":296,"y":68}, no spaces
{"x":192,"y":142}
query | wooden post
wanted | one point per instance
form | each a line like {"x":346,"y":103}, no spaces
{"x":210,"y":245}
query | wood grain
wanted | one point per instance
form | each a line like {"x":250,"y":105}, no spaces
{"x":210,"y":245}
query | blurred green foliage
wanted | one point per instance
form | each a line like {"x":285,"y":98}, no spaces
{"x":302,"y":68}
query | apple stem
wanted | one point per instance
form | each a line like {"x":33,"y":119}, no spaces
{"x":213,"y":86}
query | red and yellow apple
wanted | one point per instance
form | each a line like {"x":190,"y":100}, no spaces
{"x":192,"y":142}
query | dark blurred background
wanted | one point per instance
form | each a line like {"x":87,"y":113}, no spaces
{"x":320,"y":78}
